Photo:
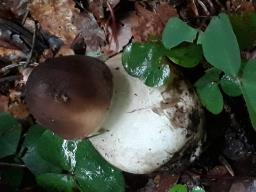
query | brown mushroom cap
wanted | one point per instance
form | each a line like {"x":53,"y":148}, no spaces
{"x":70,"y":95}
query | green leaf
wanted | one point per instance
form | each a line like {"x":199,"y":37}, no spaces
{"x":198,"y":189}
{"x":211,"y":75}
{"x":33,"y":160}
{"x":230,"y":86}
{"x":220,"y":46}
{"x":244,"y":26}
{"x":93,"y":173}
{"x":147,"y":62}
{"x":176,"y":32}
{"x":249,"y":89}
{"x":36,"y":164}
{"x":10,"y":131}
{"x":33,"y":135}
{"x":209,"y":92}
{"x":186,"y":56}
{"x":78,"y":159}
{"x":12,"y":176}
{"x":178,"y":188}
{"x":57,"y":182}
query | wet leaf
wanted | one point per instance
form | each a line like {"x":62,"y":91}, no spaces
{"x":220,"y":46}
{"x":147,"y":24}
{"x":176,"y":32}
{"x":83,"y":167}
{"x":230,"y":85}
{"x":249,"y":89}
{"x":209,"y":92}
{"x":186,"y":56}
{"x":147,"y":62}
{"x":178,"y":188}
{"x":57,"y":182}
{"x":244,"y":26}
{"x":10,"y":131}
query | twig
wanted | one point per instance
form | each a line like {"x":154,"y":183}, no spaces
{"x":227,"y":165}
{"x":8,"y":67}
{"x":25,"y":17}
{"x":10,"y":78}
{"x":3,"y":164}
{"x":32,"y":47}
{"x":114,"y":27}
{"x":203,"y":7}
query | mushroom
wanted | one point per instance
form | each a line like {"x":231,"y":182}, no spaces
{"x":71,"y":95}
{"x":144,"y":127}
{"x":147,"y":127}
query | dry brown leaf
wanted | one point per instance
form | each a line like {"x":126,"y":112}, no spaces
{"x":124,"y":35}
{"x":18,"y":110}
{"x":240,"y":5}
{"x":88,"y":29}
{"x":148,"y":23}
{"x":55,"y":17}
{"x":11,"y":54}
{"x":61,"y":19}
{"x":4,"y":103}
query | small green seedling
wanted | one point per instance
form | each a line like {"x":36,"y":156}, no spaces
{"x":183,"y":188}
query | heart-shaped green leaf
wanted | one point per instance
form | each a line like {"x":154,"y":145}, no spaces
{"x":176,"y":32}
{"x":209,"y":92}
{"x":147,"y":62}
{"x":57,"y":182}
{"x":220,"y":46}
{"x":230,"y":85}
{"x":10,"y":131}
{"x":186,"y":56}
{"x":54,"y":160}
{"x":249,"y":89}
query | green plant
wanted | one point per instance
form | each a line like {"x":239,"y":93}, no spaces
{"x":57,"y":164}
{"x":184,"y":46}
{"x":183,"y":188}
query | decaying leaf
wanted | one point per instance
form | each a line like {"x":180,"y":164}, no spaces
{"x":13,"y":8}
{"x":88,"y":29}
{"x":124,"y":35}
{"x":55,"y":17}
{"x":147,"y":24}
{"x":18,"y":110}
{"x":61,"y":19}
{"x":10,"y":54}
{"x":240,"y":5}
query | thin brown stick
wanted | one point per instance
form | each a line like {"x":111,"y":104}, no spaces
{"x":5,"y":164}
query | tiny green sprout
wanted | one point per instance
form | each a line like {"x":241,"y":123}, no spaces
{"x":178,"y":188}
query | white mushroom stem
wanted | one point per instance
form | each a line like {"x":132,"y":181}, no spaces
{"x":147,"y":126}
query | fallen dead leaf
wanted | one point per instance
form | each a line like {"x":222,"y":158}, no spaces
{"x":124,"y":35}
{"x":240,"y":6}
{"x":18,"y":110}
{"x":55,"y":17}
{"x":11,"y":55}
{"x":61,"y":19}
{"x":147,"y":24}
